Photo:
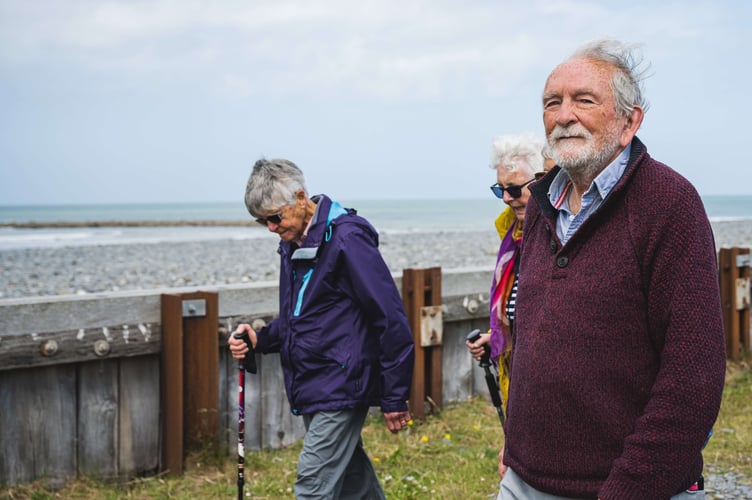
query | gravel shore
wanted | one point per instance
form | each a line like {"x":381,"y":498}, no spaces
{"x":89,"y":269}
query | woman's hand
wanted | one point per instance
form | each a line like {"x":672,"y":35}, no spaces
{"x":396,"y":421}
{"x":476,"y":348}
{"x":238,"y":347}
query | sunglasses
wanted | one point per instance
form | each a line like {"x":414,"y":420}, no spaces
{"x":514,"y":191}
{"x":273,"y":218}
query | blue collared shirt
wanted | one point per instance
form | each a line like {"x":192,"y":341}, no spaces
{"x":567,"y":222}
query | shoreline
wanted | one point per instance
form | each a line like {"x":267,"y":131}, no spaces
{"x":209,"y":223}
{"x":86,"y":269}
{"x":126,"y":223}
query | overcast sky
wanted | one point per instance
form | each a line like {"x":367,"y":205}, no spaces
{"x":173,"y":100}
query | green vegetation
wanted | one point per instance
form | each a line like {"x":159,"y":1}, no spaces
{"x":730,"y":448}
{"x":451,"y":455}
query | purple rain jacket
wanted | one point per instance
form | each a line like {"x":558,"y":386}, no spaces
{"x":342,"y":333}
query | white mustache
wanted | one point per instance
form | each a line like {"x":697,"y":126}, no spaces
{"x":575,"y":130}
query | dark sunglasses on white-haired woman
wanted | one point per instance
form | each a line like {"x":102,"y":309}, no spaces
{"x":514,"y":191}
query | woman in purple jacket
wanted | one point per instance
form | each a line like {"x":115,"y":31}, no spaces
{"x":342,"y":333}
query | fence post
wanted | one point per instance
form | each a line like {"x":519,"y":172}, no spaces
{"x":421,"y":295}
{"x":190,"y":375}
{"x":734,"y":282}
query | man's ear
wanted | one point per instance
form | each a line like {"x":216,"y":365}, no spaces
{"x":634,"y":120}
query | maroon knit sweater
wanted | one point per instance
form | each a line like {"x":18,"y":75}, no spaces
{"x":619,"y":353}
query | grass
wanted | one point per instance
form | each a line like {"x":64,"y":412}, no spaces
{"x":451,"y":455}
{"x":730,"y":448}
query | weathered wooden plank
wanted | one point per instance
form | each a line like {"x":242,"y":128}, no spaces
{"x":139,"y":339}
{"x":139,"y":416}
{"x":98,"y":418}
{"x":253,"y":403}
{"x":84,"y":344}
{"x":466,"y":281}
{"x":201,"y":373}
{"x":413,"y":299}
{"x":465,"y":307}
{"x":71,"y":312}
{"x":171,"y":383}
{"x":253,"y":411}
{"x":228,"y":399}
{"x":257,"y":299}
{"x":457,"y":363}
{"x":132,"y":319}
{"x":279,"y":427}
{"x":727,"y":275}
{"x":433,"y":298}
{"x":38,"y":431}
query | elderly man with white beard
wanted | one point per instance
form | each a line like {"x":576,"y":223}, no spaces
{"x":618,"y":348}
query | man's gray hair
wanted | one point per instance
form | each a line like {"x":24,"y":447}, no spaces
{"x":272,"y":185}
{"x":518,"y":151}
{"x":627,"y":80}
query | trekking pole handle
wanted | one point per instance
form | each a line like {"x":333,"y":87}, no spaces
{"x":249,"y":362}
{"x":485,"y":359}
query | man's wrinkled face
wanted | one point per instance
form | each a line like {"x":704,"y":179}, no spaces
{"x":579,"y":115}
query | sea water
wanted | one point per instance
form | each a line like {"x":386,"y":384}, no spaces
{"x":388,"y":216}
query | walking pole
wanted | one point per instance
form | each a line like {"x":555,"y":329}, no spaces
{"x":246,"y":364}
{"x":491,"y":379}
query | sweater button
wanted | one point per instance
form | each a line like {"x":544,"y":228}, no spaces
{"x":562,"y":261}
{"x":553,"y":246}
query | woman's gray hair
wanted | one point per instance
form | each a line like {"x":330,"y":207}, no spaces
{"x":627,"y":80}
{"x":272,"y":185}
{"x":520,"y":151}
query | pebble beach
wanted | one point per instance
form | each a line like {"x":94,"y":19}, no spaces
{"x":80,"y":270}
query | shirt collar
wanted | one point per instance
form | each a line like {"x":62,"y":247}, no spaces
{"x":604,"y":182}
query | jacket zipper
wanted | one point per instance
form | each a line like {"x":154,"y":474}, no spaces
{"x":296,"y":313}
{"x":301,"y":292}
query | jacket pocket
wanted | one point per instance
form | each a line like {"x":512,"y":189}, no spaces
{"x":323,"y":376}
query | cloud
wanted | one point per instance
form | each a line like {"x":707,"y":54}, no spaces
{"x":385,"y":48}
{"x":376,"y":48}
{"x":405,"y":89}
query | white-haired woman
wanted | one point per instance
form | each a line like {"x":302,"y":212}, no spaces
{"x":518,"y":161}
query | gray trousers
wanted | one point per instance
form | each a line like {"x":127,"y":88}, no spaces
{"x":333,"y":464}
{"x":512,"y":487}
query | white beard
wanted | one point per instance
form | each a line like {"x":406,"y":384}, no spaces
{"x":583,"y":162}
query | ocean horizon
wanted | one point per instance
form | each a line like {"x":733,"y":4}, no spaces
{"x":387,"y":216}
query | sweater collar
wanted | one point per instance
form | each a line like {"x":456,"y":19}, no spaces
{"x":542,"y":189}
{"x":603,"y":182}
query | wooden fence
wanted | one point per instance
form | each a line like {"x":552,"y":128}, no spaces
{"x":81,"y":379}
{"x":87,"y":388}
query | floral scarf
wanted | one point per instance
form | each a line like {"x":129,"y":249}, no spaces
{"x":503,"y":279}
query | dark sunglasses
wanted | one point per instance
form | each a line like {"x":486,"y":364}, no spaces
{"x":273,"y":218}
{"x":514,"y":191}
